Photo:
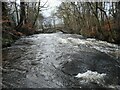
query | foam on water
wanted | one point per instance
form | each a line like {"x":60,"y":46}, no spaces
{"x":102,"y":46}
{"x":61,"y":40}
{"x":77,"y":41}
{"x":91,"y":76}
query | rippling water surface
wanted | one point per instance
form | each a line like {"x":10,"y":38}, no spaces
{"x":61,"y":61}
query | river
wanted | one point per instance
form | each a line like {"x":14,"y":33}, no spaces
{"x":60,"y":60}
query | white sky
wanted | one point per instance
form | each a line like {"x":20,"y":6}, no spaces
{"x":50,"y":3}
{"x":52,"y":7}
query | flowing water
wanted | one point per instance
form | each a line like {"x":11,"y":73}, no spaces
{"x":61,"y":61}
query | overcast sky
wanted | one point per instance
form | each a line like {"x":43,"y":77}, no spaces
{"x":50,"y":3}
{"x":52,"y":6}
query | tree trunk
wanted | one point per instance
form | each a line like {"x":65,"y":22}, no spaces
{"x":118,"y":14}
{"x":17,"y":14}
{"x":37,"y":14}
{"x":22,"y":16}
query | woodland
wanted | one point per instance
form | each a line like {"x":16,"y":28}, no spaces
{"x":100,"y":20}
